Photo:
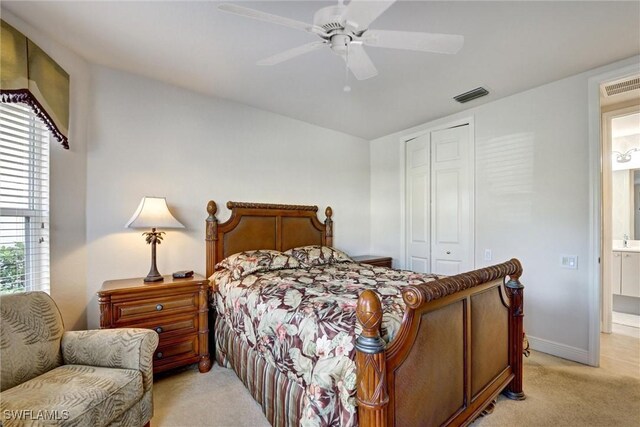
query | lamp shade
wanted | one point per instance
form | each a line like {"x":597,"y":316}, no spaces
{"x":153,"y":212}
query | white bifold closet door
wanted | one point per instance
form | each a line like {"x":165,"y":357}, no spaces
{"x":418,"y":205}
{"x":440,"y":197}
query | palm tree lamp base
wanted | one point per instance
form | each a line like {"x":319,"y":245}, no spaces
{"x":154,"y":237}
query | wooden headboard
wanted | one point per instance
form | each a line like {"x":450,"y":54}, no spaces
{"x":264,"y":226}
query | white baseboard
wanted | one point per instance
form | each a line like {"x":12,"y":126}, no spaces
{"x":560,"y":350}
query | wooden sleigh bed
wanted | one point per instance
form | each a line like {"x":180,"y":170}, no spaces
{"x":459,"y":345}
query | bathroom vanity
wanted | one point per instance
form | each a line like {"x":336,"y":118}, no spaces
{"x":626,"y":270}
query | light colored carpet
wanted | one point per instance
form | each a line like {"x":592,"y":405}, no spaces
{"x":216,"y":398}
{"x":559,"y":393}
{"x":564,"y":393}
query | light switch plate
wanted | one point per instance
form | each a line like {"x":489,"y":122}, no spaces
{"x":569,"y":261}
{"x":487,"y":255}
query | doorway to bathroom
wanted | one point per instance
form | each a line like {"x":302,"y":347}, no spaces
{"x":620,"y":257}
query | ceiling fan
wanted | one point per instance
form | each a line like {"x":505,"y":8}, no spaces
{"x":345,"y":29}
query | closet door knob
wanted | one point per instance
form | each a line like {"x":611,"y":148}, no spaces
{"x":448,"y":252}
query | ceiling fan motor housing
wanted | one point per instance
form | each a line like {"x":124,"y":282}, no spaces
{"x":329,"y":18}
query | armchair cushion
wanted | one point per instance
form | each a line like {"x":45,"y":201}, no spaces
{"x":29,"y":338}
{"x":112,"y":348}
{"x":73,"y":395}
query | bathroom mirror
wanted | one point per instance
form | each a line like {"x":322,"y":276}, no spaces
{"x":626,"y":204}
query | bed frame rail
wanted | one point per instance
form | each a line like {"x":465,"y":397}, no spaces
{"x":459,"y":345}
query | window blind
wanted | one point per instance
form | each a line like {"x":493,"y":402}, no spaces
{"x":24,"y":200}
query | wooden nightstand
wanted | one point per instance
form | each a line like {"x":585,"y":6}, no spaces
{"x":378,"y":261}
{"x":176,"y":309}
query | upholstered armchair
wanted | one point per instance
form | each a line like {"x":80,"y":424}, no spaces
{"x":79,"y":378}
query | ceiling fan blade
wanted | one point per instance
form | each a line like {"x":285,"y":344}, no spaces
{"x":267,"y":17}
{"x":359,"y":62}
{"x":292,"y":53}
{"x":423,"y":42}
{"x":360,"y":13}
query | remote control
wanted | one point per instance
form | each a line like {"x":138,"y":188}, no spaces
{"x":182,"y":274}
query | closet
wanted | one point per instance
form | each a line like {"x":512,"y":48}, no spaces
{"x":439,"y":203}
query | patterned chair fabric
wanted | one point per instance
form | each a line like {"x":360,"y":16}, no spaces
{"x":30,"y":337}
{"x":79,"y":378}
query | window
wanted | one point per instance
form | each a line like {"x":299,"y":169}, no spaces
{"x":24,"y":200}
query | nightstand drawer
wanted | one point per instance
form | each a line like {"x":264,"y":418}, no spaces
{"x":166,"y":326}
{"x":128,"y":311}
{"x":176,"y":352}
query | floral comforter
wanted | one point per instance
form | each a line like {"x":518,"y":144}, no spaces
{"x":303,"y":322}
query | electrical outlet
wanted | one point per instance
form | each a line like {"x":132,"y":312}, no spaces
{"x":569,"y":261}
{"x":487,"y":255}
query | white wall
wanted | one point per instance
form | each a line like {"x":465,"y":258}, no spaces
{"x":67,"y":186}
{"x":532,"y":200}
{"x":150,"y":138}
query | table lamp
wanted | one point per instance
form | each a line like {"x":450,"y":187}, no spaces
{"x":153,"y":213}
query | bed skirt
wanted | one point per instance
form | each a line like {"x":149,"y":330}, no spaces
{"x":281,"y":399}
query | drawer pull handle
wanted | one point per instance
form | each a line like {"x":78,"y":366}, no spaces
{"x":158,"y":329}
{"x":159,"y":355}
{"x":159,"y":307}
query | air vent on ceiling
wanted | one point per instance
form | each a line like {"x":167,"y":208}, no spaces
{"x":622,"y":86}
{"x":472,"y":94}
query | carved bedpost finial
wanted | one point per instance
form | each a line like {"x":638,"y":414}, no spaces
{"x":518,"y":272}
{"x":369,"y":313}
{"x":328,"y":227}
{"x":212,"y":221}
{"x":328,"y":212}
{"x":371,"y":363}
{"x":212,"y":208}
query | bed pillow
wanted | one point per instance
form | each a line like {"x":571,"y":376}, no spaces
{"x":311,"y":256}
{"x":244,"y":263}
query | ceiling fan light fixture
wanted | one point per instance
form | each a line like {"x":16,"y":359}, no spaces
{"x":339,"y":43}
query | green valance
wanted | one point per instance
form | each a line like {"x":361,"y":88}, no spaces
{"x":30,"y":76}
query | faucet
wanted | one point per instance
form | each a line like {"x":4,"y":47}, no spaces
{"x":625,"y":240}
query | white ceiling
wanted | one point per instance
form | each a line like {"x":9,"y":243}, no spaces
{"x":509,"y":47}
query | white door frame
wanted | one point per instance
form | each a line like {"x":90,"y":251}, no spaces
{"x":595,"y":199}
{"x":431,"y":127}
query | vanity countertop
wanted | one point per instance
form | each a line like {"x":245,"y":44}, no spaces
{"x":632,"y":246}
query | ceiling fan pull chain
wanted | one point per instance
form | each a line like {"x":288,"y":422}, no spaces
{"x":346,"y":88}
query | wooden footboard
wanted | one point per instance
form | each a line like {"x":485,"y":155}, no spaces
{"x":458,"y":347}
